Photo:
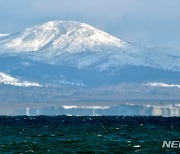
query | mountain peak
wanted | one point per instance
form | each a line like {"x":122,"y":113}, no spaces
{"x":57,"y":24}
{"x":62,"y":36}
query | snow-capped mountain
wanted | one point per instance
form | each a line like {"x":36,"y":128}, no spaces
{"x":9,"y":80}
{"x":80,"y":45}
{"x":61,"y":36}
{"x":74,"y":52}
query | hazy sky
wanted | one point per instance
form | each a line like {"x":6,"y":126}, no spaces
{"x":142,"y":22}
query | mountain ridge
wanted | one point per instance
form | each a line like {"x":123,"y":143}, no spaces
{"x":69,"y":36}
{"x":88,"y":56}
{"x":83,"y":46}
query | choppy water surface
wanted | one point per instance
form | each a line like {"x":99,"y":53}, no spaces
{"x":63,"y":134}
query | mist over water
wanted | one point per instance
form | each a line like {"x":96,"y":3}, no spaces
{"x":125,"y":109}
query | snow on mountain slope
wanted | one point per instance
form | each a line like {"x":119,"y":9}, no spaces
{"x":156,"y":84}
{"x":3,"y":35}
{"x":9,"y":80}
{"x":161,"y":58}
{"x":62,"y":36}
{"x":82,"y":46}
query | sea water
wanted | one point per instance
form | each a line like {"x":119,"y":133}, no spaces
{"x":87,"y":134}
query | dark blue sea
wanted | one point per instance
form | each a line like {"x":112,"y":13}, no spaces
{"x":101,"y":134}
